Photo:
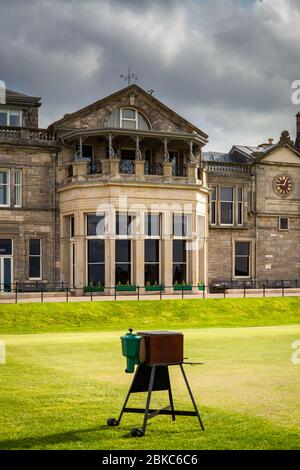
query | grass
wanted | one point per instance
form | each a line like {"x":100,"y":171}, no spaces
{"x":110,"y":316}
{"x":57,"y":390}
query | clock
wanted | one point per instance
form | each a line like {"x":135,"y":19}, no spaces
{"x":283,"y":185}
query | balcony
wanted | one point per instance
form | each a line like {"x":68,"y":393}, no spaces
{"x":24,"y":135}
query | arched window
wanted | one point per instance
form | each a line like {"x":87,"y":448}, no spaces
{"x":128,"y":118}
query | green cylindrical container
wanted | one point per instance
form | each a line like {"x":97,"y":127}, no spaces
{"x":131,"y":350}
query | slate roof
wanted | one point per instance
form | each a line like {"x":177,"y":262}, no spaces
{"x":237,"y":154}
{"x":15,"y":97}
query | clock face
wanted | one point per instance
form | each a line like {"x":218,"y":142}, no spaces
{"x":283,"y":185}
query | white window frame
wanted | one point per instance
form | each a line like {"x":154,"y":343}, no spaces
{"x":159,"y":257}
{"x":187,"y":263}
{"x":188,"y":226}
{"x":6,"y":170}
{"x":249,"y":256}
{"x":9,"y":112}
{"x":279,"y":224}
{"x":232,"y":202}
{"x":240,"y":204}
{"x":19,"y":186}
{"x":215,"y":201}
{"x":131,"y":258}
{"x":135,"y":119}
{"x":35,"y":256}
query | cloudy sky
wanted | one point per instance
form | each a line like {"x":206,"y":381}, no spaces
{"x":225,"y":65}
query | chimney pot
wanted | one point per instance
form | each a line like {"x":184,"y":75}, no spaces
{"x":271,"y":140}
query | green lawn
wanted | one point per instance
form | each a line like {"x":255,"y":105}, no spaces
{"x":109,"y":316}
{"x":58,"y":388}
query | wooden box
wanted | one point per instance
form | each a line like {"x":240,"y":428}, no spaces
{"x":161,"y":347}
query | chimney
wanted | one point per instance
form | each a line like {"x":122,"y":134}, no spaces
{"x":271,"y":141}
{"x":297,"y":142}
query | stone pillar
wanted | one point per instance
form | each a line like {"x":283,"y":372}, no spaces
{"x":167,"y":251}
{"x":193,"y":253}
{"x":80,"y":249}
{"x":105,"y":164}
{"x":140,"y":169}
{"x":109,"y":262}
{"x":64,"y":250}
{"x":80,"y":168}
{"x":114,"y":168}
{"x":167,"y":171}
{"x":138,"y":262}
{"x":192,"y":171}
{"x":202,"y":236}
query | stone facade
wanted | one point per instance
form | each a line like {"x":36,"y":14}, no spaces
{"x":141,"y":160}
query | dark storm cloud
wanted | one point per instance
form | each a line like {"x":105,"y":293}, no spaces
{"x":226,"y":66}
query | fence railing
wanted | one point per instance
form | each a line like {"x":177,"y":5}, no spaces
{"x":18,"y":291}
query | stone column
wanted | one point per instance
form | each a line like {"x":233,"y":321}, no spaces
{"x":80,"y":249}
{"x":193,"y":253}
{"x":167,"y":251}
{"x":167,"y":171}
{"x":140,"y":169}
{"x":192,"y":172}
{"x":203,"y":260}
{"x":138,"y":262}
{"x":64,"y":250}
{"x":114,"y":168}
{"x":109,"y":262}
{"x":80,"y":168}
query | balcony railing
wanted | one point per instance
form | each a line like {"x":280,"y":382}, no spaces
{"x":95,"y":168}
{"x":178,"y":170}
{"x":24,"y":133}
{"x":223,"y":167}
{"x":153,"y":168}
{"x":126,"y":167}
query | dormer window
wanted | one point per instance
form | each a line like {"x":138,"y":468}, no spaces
{"x":10,"y":117}
{"x":128,"y":118}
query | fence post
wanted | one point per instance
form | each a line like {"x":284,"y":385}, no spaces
{"x":67,"y":294}
{"x":115,"y":293}
{"x":160,"y":294}
{"x":203,"y":292}
{"x":182,"y":291}
{"x":224,"y":292}
{"x":16,"y":296}
{"x":282,"y":288}
{"x":244,"y":291}
{"x":296,"y":283}
{"x":91,"y":295}
{"x":138,"y":289}
{"x":42,"y":294}
{"x":264,"y":290}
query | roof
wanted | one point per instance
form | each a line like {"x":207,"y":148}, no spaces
{"x":237,"y":154}
{"x":15,"y":97}
{"x":129,"y":88}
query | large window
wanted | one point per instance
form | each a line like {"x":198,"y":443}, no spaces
{"x":4,"y":188}
{"x":180,"y":225}
{"x":10,"y":117}
{"x":242,"y":259}
{"x":179,"y":262}
{"x":35,"y":258}
{"x":18,"y":188}
{"x":240,"y":206}
{"x":123,"y":223}
{"x":226,"y":206}
{"x":152,"y":225}
{"x":132,"y":119}
{"x":213,"y":205}
{"x":95,"y":225}
{"x":151,"y":261}
{"x":123,"y":261}
{"x":96,"y":262}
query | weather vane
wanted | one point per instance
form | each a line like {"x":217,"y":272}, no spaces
{"x":130,"y":76}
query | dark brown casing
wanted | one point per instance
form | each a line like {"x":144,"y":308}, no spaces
{"x":161,"y":347}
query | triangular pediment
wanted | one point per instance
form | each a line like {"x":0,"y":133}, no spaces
{"x":286,"y":154}
{"x":98,"y":114}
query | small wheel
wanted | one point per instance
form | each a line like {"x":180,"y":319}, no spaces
{"x":136,"y":432}
{"x":112,"y":422}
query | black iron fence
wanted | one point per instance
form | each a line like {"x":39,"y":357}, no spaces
{"x":217,"y":289}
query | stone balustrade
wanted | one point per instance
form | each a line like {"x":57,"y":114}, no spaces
{"x":17,"y":134}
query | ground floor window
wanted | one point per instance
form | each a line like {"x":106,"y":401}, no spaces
{"x":179,"y":262}
{"x":96,"y":262}
{"x":151,"y":262}
{"x":35,"y":258}
{"x":123,"y":261}
{"x":242,"y":259}
{"x":6,"y":264}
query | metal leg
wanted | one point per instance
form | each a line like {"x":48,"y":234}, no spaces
{"x":171,"y":399}
{"x":128,"y":395}
{"x":191,"y":395}
{"x":152,"y":376}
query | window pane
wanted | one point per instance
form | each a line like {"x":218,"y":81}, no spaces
{"x":5,"y":246}
{"x":152,"y":225}
{"x":96,"y":274}
{"x":179,"y":273}
{"x":226,"y":213}
{"x":129,"y":124}
{"x":242,"y":248}
{"x":72,"y":226}
{"x":18,"y":188}
{"x":214,"y":193}
{"x":14,"y":118}
{"x":213,"y":213}
{"x":179,"y":251}
{"x":151,"y":251}
{"x":123,"y":251}
{"x":123,"y":273}
{"x":123,"y":222}
{"x":151,"y":274}
{"x":3,"y":195}
{"x":34,"y":267}
{"x":3,"y":118}
{"x":142,"y":122}
{"x":242,"y":266}
{"x":128,"y":113}
{"x":96,"y":251}
{"x":226,"y":194}
{"x":35,"y":246}
{"x":240,"y":194}
{"x":7,"y":274}
{"x":95,"y":224}
{"x":179,"y":225}
{"x":3,"y":177}
{"x":284,"y":223}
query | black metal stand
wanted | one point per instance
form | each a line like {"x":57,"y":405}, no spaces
{"x":149,"y":379}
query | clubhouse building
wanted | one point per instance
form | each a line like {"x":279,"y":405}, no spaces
{"x":122,"y":192}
